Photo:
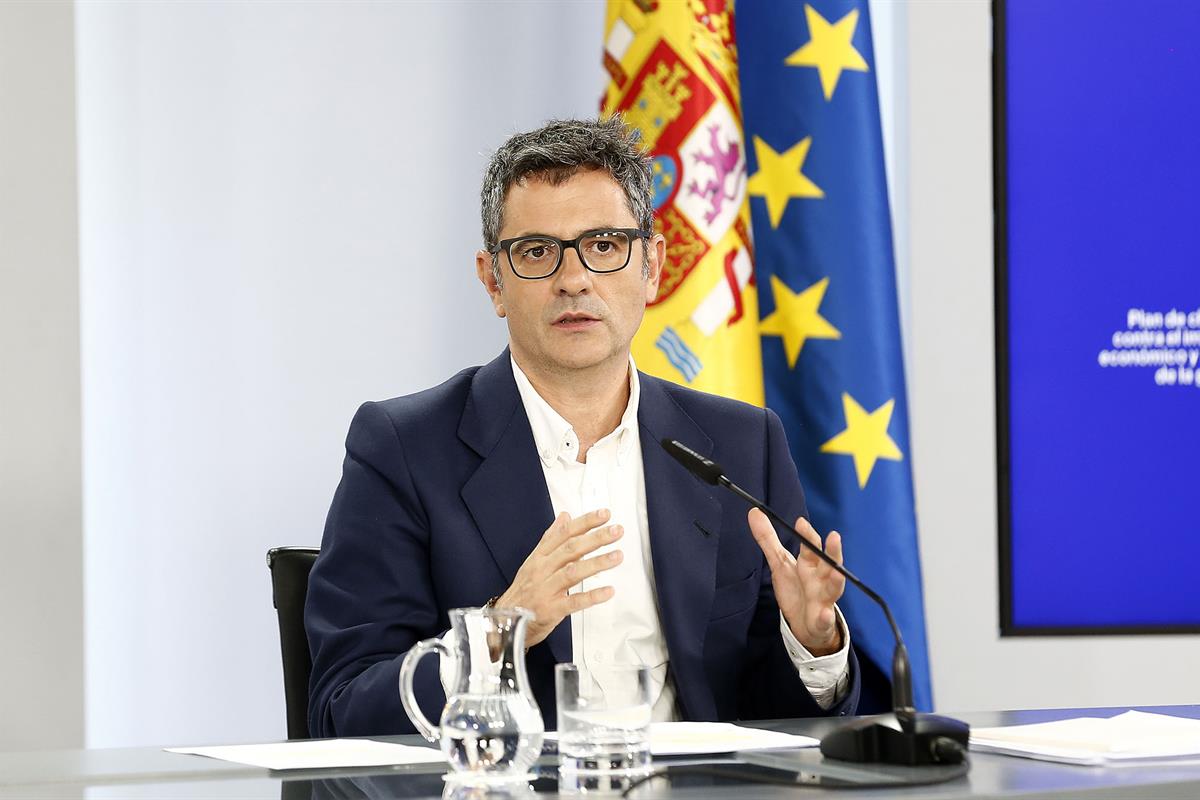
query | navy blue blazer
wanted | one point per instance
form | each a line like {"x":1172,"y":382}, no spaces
{"x":442,"y":498}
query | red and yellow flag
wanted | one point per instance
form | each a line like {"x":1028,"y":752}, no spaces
{"x":673,"y":69}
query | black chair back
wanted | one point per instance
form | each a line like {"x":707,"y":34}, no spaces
{"x":289,"y":581}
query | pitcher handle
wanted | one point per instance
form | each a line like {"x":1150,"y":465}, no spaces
{"x":407,"y":669}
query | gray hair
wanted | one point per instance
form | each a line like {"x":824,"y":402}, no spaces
{"x":555,"y":153}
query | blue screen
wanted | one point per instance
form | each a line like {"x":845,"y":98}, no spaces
{"x":1102,"y":120}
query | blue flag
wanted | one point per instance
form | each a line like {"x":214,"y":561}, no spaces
{"x":832,"y":362}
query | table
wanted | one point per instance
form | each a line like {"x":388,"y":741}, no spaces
{"x":136,"y":773}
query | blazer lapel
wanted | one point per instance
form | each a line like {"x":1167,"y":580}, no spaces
{"x":685,"y":520}
{"x":507,"y":494}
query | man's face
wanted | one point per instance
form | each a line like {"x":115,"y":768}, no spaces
{"x":575,"y":319}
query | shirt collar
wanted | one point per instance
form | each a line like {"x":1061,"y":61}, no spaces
{"x":554,"y":437}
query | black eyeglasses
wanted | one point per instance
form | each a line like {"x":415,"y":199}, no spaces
{"x":539,"y":256}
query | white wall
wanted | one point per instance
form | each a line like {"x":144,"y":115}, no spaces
{"x":953,"y":405}
{"x":41,"y":566}
{"x":279,"y":213}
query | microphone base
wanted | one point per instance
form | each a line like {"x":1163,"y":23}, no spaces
{"x":905,"y":738}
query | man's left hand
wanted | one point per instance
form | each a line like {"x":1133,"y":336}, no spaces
{"x":806,"y":588}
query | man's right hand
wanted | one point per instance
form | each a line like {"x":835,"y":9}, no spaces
{"x":557,"y":564}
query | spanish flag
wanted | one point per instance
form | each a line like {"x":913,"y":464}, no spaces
{"x":674,"y":77}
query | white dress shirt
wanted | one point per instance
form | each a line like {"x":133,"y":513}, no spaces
{"x":626,"y":629}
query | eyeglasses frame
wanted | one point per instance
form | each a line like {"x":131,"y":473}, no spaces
{"x":505,"y":246}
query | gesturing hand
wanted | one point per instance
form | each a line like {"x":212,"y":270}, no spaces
{"x":806,"y":588}
{"x":557,"y":564}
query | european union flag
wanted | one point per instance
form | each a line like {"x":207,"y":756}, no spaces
{"x":830,"y":327}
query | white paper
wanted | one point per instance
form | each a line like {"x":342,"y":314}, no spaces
{"x":1129,"y":737}
{"x":700,"y":738}
{"x":318,"y":754}
{"x":697,"y":738}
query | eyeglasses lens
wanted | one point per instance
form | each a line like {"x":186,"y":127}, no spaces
{"x":605,"y":251}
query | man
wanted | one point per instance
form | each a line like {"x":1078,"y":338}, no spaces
{"x":538,"y":481}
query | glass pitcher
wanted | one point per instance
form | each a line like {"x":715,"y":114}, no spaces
{"x":491,"y":725}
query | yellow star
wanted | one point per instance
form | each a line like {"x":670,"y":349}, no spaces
{"x":865,"y":438}
{"x":829,"y":50}
{"x":797,"y":317}
{"x":779,"y":178}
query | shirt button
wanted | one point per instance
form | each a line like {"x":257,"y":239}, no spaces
{"x":598,"y":657}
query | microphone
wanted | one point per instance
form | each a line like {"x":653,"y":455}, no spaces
{"x":904,"y":737}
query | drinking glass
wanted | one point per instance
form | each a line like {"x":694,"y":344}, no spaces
{"x":603,"y":718}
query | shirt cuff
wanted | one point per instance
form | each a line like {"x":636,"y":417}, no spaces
{"x":827,"y":678}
